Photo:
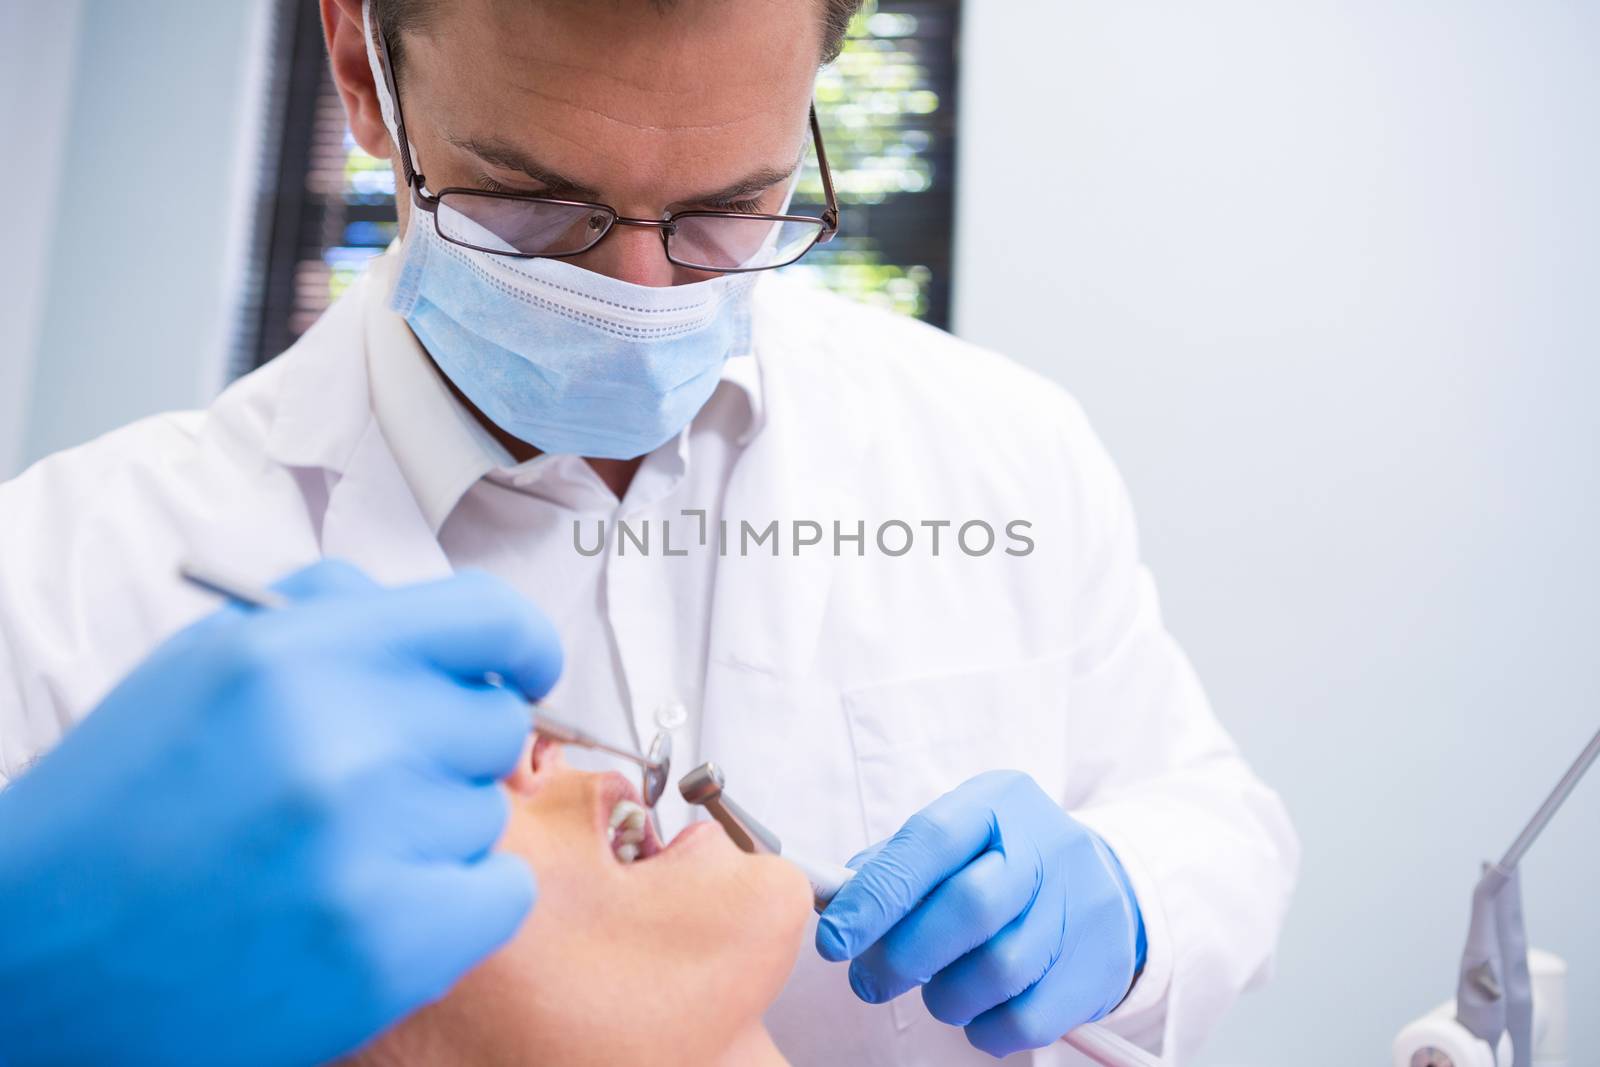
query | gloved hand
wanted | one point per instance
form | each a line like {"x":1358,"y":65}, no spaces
{"x":1017,"y":921}
{"x":272,"y":839}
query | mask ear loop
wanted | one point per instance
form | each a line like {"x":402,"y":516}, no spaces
{"x":386,"y":102}
{"x":380,"y":80}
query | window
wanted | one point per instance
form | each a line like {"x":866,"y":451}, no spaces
{"x":888,"y":113}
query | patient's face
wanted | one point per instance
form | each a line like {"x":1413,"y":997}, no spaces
{"x":669,"y":959}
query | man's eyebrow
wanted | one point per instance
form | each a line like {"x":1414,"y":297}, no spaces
{"x":503,"y":154}
{"x":758,"y":181}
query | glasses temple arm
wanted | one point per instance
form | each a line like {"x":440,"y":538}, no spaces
{"x":413,"y":179}
{"x":830,"y":214}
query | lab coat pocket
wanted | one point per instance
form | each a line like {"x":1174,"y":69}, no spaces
{"x":917,"y":738}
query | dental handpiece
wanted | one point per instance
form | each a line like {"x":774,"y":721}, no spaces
{"x":656,"y":766}
{"x":704,"y":786}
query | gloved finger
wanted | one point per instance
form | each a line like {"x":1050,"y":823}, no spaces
{"x":441,"y":821}
{"x":936,"y":842}
{"x":471,"y":730}
{"x":440,"y":920}
{"x":1006,"y":966}
{"x":327,"y":577}
{"x":469,"y":626}
{"x":969,"y":908}
{"x":1064,"y":999}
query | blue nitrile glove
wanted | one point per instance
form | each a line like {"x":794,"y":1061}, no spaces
{"x":1017,"y":921}
{"x":272,"y":840}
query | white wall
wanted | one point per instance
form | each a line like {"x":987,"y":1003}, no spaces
{"x":131,"y":305}
{"x":38,"y":54}
{"x":1327,"y":276}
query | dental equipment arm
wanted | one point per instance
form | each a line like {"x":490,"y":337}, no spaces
{"x":705,"y":786}
{"x":1495,"y":991}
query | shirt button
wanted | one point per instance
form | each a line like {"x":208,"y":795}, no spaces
{"x":671,"y":715}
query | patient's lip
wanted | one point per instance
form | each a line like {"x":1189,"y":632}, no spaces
{"x":689,"y":842}
{"x":693,"y":829}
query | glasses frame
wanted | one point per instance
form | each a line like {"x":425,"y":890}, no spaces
{"x":666,"y":226}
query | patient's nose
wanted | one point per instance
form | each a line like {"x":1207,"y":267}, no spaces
{"x":541,"y":757}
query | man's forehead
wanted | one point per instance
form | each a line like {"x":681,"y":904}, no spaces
{"x":541,"y":87}
{"x":668,"y":48}
{"x":644,"y":68}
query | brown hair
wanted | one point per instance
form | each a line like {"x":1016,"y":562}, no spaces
{"x":399,"y":17}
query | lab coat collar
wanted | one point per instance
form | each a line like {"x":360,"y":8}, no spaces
{"x":323,"y":423}
{"x":322,"y":410}
{"x":440,"y":447}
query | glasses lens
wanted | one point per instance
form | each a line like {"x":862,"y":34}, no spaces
{"x":728,"y":242}
{"x":528,"y":227}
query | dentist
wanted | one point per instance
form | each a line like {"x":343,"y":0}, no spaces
{"x":895,"y":592}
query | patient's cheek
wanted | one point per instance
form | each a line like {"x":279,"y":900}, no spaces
{"x":767,"y":916}
{"x":788,"y":896}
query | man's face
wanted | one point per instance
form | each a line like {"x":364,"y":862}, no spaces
{"x":702,"y":105}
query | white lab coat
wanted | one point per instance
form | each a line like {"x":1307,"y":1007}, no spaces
{"x":841,"y":694}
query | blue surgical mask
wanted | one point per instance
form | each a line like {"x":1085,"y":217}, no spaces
{"x":568,"y":360}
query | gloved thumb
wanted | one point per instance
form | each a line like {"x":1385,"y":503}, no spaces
{"x":832,"y":942}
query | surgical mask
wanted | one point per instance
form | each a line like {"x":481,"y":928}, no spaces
{"x":566,"y":359}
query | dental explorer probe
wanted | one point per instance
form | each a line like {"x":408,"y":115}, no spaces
{"x":655,"y":766}
{"x":706,"y":787}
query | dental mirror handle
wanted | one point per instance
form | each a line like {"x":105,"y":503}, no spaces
{"x":566,"y":734}
{"x":231,"y":588}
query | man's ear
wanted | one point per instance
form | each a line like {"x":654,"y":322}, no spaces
{"x":347,"y":55}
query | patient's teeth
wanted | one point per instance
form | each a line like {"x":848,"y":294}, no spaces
{"x":627,"y":830}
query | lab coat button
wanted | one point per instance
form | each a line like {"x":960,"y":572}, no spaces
{"x":671,"y":715}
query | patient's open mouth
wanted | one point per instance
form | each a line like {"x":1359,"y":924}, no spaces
{"x":632,"y":835}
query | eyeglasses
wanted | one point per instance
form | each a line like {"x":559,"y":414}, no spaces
{"x":539,"y":227}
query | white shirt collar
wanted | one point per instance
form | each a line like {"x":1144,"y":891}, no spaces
{"x":440,"y":446}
